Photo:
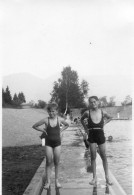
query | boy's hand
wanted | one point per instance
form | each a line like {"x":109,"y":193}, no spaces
{"x":44,"y":131}
{"x":85,"y":136}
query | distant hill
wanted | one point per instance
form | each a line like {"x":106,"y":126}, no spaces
{"x":34,"y":88}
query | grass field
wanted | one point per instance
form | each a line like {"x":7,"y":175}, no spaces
{"x":17,"y":126}
{"x":22,"y":152}
{"x":19,"y":165}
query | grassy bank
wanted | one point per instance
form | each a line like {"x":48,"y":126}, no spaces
{"x":19,"y":165}
{"x":17,"y":126}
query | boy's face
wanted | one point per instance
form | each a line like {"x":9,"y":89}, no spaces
{"x":52,"y":112}
{"x":93,"y":103}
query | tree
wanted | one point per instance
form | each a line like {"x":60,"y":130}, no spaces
{"x":3,"y":97}
{"x":103,"y":101}
{"x":55,"y":93}
{"x":7,"y":96}
{"x":111,"y":103}
{"x":15,"y":99}
{"x":32,"y":103}
{"x":84,"y":87}
{"x":21,"y":98}
{"x":41,"y":104}
{"x":66,"y":91}
{"x":18,"y":99}
{"x":127,"y":101}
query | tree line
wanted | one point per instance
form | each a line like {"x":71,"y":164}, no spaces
{"x":67,"y":92}
{"x":104,"y":102}
{"x":16,"y":100}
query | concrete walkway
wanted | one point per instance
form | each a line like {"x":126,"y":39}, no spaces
{"x":81,"y":186}
{"x":78,"y":186}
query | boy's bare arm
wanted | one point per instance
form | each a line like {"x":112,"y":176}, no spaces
{"x":66,"y":125}
{"x":85,"y":115}
{"x":107,"y":116}
{"x":37,"y":125}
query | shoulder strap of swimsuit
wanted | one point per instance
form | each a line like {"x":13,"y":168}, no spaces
{"x":89,"y":114}
{"x":102,"y":119}
{"x":102,"y":113}
{"x":58,"y":122}
{"x":48,"y":121}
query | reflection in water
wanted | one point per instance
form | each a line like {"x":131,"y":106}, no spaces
{"x":57,"y":191}
{"x":95,"y":190}
{"x":107,"y":190}
{"x":49,"y":191}
{"x":88,"y":161}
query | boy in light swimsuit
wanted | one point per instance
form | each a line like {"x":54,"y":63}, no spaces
{"x":52,"y":140}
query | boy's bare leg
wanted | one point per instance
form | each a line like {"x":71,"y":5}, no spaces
{"x":49,"y":160}
{"x":93,"y":162}
{"x":57,"y":152}
{"x":102,"y":150}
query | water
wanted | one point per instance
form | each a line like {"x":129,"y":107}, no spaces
{"x":119,"y":152}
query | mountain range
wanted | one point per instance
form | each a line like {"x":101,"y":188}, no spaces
{"x":34,"y":88}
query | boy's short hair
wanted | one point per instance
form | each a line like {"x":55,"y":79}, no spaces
{"x":94,"y":97}
{"x":52,"y":105}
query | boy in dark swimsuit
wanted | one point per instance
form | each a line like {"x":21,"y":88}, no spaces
{"x":52,"y":140}
{"x":96,"y":135}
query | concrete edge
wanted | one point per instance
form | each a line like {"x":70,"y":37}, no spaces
{"x":116,"y":188}
{"x":35,"y":187}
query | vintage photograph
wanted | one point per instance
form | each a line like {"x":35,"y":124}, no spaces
{"x":67,"y":69}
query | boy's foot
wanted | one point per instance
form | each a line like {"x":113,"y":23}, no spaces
{"x":93,"y":182}
{"x":47,"y":186}
{"x":108,"y":182}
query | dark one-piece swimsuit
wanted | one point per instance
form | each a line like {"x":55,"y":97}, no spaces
{"x":53,"y":135}
{"x":96,"y":133}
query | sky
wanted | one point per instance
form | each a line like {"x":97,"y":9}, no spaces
{"x":96,"y":38}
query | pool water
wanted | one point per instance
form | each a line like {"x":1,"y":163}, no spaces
{"x":119,"y":152}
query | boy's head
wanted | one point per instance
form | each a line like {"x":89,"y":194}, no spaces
{"x":93,"y":101}
{"x":52,"y":109}
{"x":93,"y":97}
{"x":52,"y":106}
